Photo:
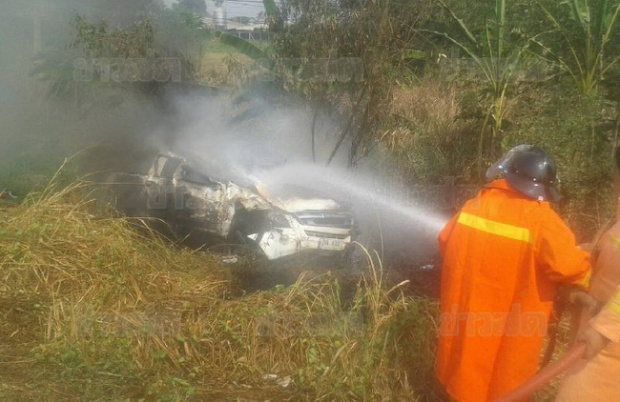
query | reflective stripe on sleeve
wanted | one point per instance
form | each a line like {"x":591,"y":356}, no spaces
{"x":614,"y":241}
{"x":585,"y":282}
{"x":496,"y":228}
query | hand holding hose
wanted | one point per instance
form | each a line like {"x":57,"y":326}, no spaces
{"x":584,"y":300}
{"x":594,"y":341}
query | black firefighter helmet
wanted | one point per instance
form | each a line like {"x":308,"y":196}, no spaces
{"x":531,"y":171}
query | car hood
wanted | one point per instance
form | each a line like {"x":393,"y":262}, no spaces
{"x":294,"y":205}
{"x":297,"y":204}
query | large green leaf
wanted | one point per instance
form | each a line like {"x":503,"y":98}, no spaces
{"x":589,"y":59}
{"x":461,"y":23}
{"x":274,"y":16}
{"x":243,"y":46}
{"x":271,"y":9}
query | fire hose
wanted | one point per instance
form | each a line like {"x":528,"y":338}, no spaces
{"x":545,"y":375}
{"x":548,"y":372}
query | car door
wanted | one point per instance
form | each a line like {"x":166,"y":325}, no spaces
{"x":204,"y":201}
{"x":162,"y":201}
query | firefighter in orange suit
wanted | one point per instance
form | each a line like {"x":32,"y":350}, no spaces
{"x":595,"y":378}
{"x":504,"y":255}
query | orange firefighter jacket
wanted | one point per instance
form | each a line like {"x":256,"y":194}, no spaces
{"x":503,"y":257}
{"x":596,"y":379}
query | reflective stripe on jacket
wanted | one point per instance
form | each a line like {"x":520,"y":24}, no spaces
{"x":503,"y":256}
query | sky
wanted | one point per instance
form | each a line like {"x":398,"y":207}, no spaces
{"x":235,"y":8}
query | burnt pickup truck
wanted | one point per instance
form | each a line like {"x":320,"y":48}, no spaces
{"x":179,"y":192}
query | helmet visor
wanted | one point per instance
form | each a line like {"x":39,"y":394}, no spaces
{"x":535,"y":190}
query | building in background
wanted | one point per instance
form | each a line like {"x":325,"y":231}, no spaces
{"x":219,"y":19}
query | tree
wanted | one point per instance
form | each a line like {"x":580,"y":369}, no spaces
{"x":366,"y":47}
{"x":196,"y":6}
{"x":586,"y":29}
{"x":498,"y":61}
{"x":106,"y":64}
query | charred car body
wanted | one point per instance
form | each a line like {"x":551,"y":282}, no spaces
{"x":177,"y":191}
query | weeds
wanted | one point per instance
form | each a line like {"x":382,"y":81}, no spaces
{"x":90,"y":306}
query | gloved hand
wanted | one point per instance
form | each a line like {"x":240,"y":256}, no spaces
{"x":595,"y":342}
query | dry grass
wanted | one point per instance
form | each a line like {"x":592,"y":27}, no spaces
{"x":431,"y":103}
{"x":431,"y":130}
{"x":222,"y":66}
{"x":91,"y":308}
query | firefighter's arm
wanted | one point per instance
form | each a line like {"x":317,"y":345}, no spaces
{"x":607,"y":321}
{"x":558,"y":254}
{"x":444,"y":235}
{"x":603,"y":328}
